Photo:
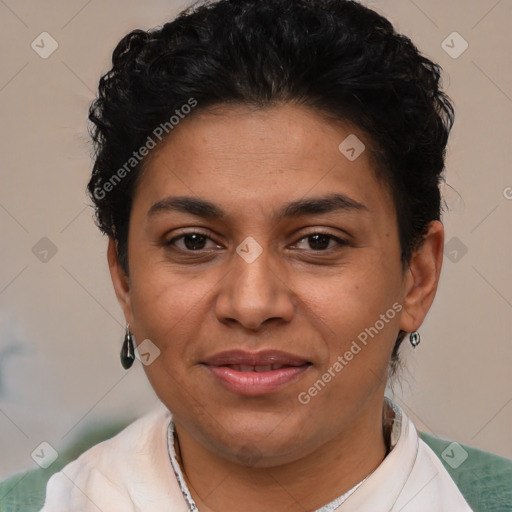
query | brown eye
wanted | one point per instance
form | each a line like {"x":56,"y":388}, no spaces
{"x":321,"y":241}
{"x":192,"y":242}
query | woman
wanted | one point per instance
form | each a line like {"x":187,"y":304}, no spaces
{"x":267,"y":173}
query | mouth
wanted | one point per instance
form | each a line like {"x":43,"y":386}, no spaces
{"x":256,"y":374}
{"x":259,"y":368}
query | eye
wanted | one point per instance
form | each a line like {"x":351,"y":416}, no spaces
{"x":193,"y":241}
{"x":196,"y":241}
{"x":321,"y":241}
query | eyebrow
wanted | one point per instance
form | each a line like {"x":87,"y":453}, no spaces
{"x":309,"y":206}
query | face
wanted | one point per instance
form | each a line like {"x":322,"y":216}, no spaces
{"x":264,"y":265}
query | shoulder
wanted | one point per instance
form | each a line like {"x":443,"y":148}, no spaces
{"x":412,"y":477}
{"x":141,"y":439}
{"x":123,"y":473}
{"x":429,"y":480}
{"x":482,"y":477}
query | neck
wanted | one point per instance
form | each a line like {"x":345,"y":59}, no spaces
{"x":306,"y":483}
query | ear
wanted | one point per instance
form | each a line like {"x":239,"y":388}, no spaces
{"x":422,"y":277}
{"x":120,"y":280}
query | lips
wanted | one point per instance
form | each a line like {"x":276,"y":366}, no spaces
{"x":258,"y":373}
{"x":260,"y":368}
{"x":263,"y":358}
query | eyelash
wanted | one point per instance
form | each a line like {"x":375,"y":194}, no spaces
{"x":339,"y":241}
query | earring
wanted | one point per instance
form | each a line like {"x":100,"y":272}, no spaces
{"x":414,"y":338}
{"x":127,"y":352}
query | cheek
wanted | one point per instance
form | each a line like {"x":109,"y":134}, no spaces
{"x":356,"y":295}
{"x":358,"y":312}
{"x":160,"y":304}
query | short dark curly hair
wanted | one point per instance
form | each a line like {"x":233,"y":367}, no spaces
{"x":338,"y":57}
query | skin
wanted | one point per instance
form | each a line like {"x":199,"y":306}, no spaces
{"x":270,"y":452}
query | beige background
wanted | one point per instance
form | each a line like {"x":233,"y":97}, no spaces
{"x":60,"y":325}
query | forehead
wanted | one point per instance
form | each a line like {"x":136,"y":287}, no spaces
{"x":267,"y":156}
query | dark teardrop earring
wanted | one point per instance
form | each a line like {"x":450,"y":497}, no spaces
{"x":128,"y":351}
{"x":414,"y":338}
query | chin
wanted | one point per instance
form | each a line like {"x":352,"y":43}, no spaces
{"x":260,"y":440}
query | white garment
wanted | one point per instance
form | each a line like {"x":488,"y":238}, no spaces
{"x":132,"y":472}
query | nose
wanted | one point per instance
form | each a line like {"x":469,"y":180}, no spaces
{"x":254,"y":292}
